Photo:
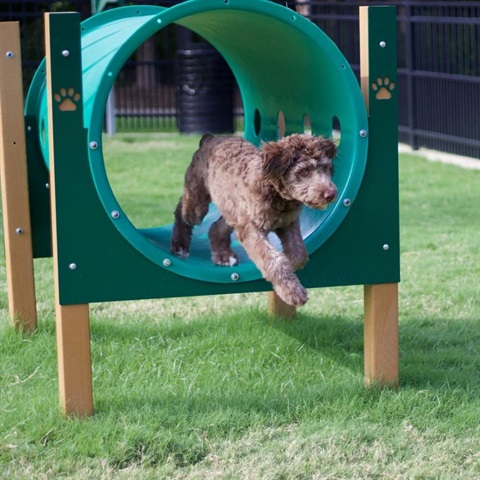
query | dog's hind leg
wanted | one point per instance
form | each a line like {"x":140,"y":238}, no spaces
{"x":293,"y":245}
{"x":196,"y":197}
{"x":181,"y":234}
{"x":275,"y":266}
{"x":191,"y":209}
{"x":219,"y":236}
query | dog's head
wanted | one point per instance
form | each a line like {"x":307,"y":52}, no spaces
{"x":300,"y":167}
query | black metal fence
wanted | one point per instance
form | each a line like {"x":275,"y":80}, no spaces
{"x":438,"y":72}
{"x":438,"y":66}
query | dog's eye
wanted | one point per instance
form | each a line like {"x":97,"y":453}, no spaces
{"x":328,"y":168}
{"x":305,"y":172}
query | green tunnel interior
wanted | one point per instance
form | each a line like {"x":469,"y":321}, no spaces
{"x":282,"y":63}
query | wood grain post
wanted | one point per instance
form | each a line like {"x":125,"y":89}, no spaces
{"x":72,"y":321}
{"x":381,"y":334}
{"x":74,"y":359}
{"x":278,"y":308}
{"x":14,"y":183}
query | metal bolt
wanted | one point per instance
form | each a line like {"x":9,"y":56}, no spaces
{"x":363,"y":133}
{"x":65,"y":53}
{"x":115,"y":213}
{"x":383,"y":44}
{"x":235,"y":276}
{"x":19,"y":231}
{"x":167,"y":262}
{"x":386,"y":247}
{"x":47,"y":186}
{"x":93,"y":145}
{"x":72,"y":266}
{"x":347,"y":202}
{"x":9,"y":54}
{"x":29,"y":128}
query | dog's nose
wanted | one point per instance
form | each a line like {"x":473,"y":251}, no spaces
{"x":329,"y":195}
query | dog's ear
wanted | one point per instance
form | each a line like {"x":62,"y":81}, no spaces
{"x":205,"y":137}
{"x":276,"y":160}
{"x":326,"y":146}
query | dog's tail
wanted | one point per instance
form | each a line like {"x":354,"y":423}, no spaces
{"x":207,"y":136}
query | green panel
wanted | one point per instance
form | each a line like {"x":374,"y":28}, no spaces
{"x":38,"y":175}
{"x":280,"y":44}
{"x":113,"y":260}
{"x":367,"y":243}
{"x":39,"y":193}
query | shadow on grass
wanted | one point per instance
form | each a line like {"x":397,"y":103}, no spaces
{"x":338,"y":338}
{"x":445,"y":357}
{"x":442,"y":353}
{"x":430,"y":357}
{"x":181,"y":418}
{"x":258,"y":366}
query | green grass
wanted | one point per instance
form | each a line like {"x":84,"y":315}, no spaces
{"x":211,"y":388}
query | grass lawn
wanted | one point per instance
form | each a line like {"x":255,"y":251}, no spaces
{"x":206,"y":388}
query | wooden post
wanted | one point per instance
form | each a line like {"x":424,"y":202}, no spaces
{"x":381,"y":334}
{"x":73,"y":324}
{"x":74,"y":360}
{"x":278,"y":308}
{"x":14,"y":183}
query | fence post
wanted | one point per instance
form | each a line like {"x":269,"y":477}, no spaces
{"x":409,"y":57}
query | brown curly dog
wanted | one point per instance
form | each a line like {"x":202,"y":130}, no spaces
{"x":257,"y":191}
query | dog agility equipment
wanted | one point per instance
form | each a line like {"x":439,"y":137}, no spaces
{"x":285,"y":67}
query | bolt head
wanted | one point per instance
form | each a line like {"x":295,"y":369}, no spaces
{"x":19,"y":231}
{"x":167,"y":262}
{"x":65,"y":53}
{"x":383,"y":44}
{"x":72,"y":266}
{"x":363,"y":133}
{"x":93,"y":145}
{"x":347,"y":202}
{"x":115,"y":213}
{"x":235,"y":276}
{"x":9,"y":54}
{"x":386,"y":246}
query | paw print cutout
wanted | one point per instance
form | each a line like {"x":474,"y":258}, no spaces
{"x":67,"y":99}
{"x":383,"y":88}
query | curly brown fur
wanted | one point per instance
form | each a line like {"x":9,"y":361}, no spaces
{"x":257,"y":191}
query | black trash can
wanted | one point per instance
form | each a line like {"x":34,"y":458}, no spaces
{"x":204,"y":91}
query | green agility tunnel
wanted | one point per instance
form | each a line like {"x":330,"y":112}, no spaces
{"x":282,"y":63}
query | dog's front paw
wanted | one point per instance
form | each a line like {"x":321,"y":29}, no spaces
{"x":296,"y":294}
{"x":226,"y":258}
{"x":180,"y":252}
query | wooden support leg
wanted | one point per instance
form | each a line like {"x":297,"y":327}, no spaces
{"x":14,"y":183}
{"x":381,"y":334}
{"x":74,"y":360}
{"x":278,"y":308}
{"x":73,"y":324}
